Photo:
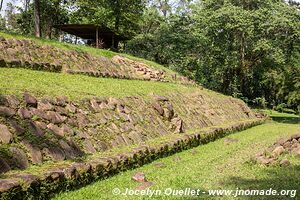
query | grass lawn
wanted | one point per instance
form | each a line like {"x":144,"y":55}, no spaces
{"x":16,"y":81}
{"x":211,"y":166}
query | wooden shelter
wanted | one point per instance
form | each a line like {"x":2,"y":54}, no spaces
{"x":101,"y":36}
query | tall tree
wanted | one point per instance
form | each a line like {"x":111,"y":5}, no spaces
{"x":245,"y":48}
{"x":37,"y":18}
{"x":122,"y":16}
{"x":51,"y":13}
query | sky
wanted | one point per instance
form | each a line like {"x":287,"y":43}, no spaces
{"x":19,"y":2}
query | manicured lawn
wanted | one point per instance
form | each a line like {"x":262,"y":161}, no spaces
{"x":16,"y":81}
{"x":211,"y":166}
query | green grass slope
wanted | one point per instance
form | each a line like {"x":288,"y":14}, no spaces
{"x":86,"y":49}
{"x":210,"y":167}
{"x":16,"y":81}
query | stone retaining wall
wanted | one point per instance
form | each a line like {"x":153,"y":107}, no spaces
{"x":37,"y":130}
{"x":29,"y":186}
{"x":29,"y":54}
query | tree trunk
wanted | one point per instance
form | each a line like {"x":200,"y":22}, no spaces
{"x":242,"y":61}
{"x":26,"y":5}
{"x":37,"y":18}
{"x":114,"y":44}
{"x":1,"y":4}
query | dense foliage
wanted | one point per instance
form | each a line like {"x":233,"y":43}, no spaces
{"x":245,"y":48}
{"x":248,"y":49}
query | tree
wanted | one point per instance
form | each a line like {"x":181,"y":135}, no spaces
{"x":37,"y":18}
{"x":122,"y":16}
{"x":248,"y":49}
{"x":51,"y":13}
{"x":1,"y":4}
{"x":249,"y":38}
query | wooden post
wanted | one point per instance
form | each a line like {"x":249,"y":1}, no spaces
{"x":97,"y":37}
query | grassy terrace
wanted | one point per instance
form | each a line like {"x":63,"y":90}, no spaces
{"x":16,"y":81}
{"x":82,"y":48}
{"x":212,"y":166}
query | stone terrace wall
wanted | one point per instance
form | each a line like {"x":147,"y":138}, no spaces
{"x":53,"y":180}
{"x":29,"y":54}
{"x":33,"y":131}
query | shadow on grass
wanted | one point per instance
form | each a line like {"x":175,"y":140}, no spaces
{"x":286,"y":120}
{"x":277,"y":178}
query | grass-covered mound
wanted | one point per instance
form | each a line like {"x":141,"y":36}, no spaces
{"x":32,"y":53}
{"x":51,"y":121}
{"x":215,"y":166}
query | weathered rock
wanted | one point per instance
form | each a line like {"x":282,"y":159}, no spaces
{"x":5,"y":135}
{"x":9,"y":101}
{"x":281,"y":141}
{"x":4,"y":167}
{"x":71,"y":173}
{"x":19,"y":158}
{"x":169,"y":112}
{"x":76,"y":149}
{"x":94,"y":105}
{"x":71,"y":108}
{"x":88,"y":146}
{"x":9,"y":184}
{"x":139,"y":177}
{"x":55,"y":129}
{"x":287,"y":145}
{"x":17,"y":128}
{"x":265,"y":161}
{"x":34,"y":152}
{"x":35,"y":129}
{"x":37,"y":114}
{"x":161,"y":98}
{"x":56,"y":175}
{"x":278,"y":151}
{"x":45,"y":105}
{"x":61,"y":110}
{"x":134,"y":136}
{"x":62,"y":101}
{"x":285,"y":162}
{"x":177,"y":125}
{"x":24,"y":113}
{"x":28,"y":180}
{"x":41,"y":125}
{"x":55,"y":117}
{"x":101,"y":146}
{"x":158,"y":108}
{"x":295,"y":151}
{"x":68,"y":150}
{"x":6,"y":112}
{"x":55,"y":153}
{"x":30,"y":100}
{"x":295,"y":137}
{"x":82,"y":120}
